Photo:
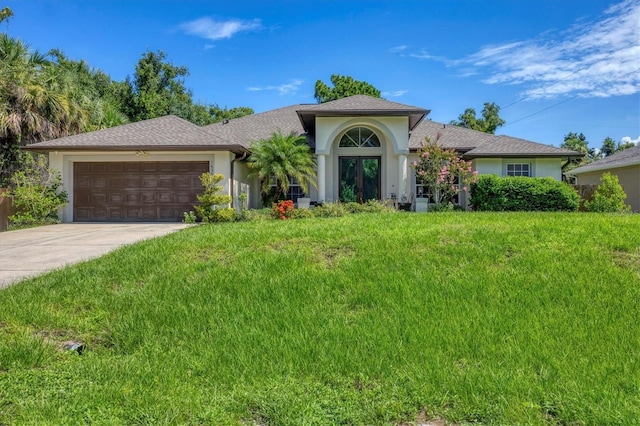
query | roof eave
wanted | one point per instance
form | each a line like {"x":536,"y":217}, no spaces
{"x":43,"y":149}
{"x":307,"y":117}
{"x":520,"y":155}
{"x":598,"y":168}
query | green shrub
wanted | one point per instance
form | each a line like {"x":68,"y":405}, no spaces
{"x":330,"y":210}
{"x":35,"y":192}
{"x":608,"y":196}
{"x":253,"y":215}
{"x":442,"y":207}
{"x":211,"y":208}
{"x":494,"y":193}
{"x":353,"y":207}
{"x":302,"y":214}
{"x":189,"y":217}
{"x":375,"y":206}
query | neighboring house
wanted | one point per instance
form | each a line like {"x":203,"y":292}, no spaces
{"x":148,"y":171}
{"x":624,"y":164}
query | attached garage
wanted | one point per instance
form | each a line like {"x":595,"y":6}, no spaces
{"x":135,"y":191}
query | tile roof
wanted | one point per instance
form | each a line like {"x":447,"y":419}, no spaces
{"x":162,"y":132}
{"x":626,"y":157}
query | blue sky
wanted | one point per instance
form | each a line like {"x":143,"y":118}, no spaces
{"x":553,"y":66}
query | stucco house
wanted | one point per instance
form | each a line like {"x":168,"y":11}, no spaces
{"x":624,"y":164}
{"x":149,"y":170}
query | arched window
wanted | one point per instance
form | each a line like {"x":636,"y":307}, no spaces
{"x":360,"y":137}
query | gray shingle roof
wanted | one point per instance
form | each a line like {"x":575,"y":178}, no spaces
{"x":359,"y":105}
{"x":171,"y":132}
{"x":478,"y":144}
{"x":242,"y":131}
{"x":626,"y":157}
{"x":163,"y":132}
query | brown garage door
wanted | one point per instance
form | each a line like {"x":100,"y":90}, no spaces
{"x":149,"y":191}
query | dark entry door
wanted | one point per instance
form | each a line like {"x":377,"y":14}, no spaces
{"x":359,"y":179}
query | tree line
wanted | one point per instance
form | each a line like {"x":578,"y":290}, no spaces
{"x":47,"y":96}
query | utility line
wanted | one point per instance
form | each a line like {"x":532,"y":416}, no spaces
{"x":567,"y":77}
{"x":568,"y":99}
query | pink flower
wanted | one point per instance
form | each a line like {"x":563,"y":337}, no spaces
{"x":415,"y":163}
{"x":475,"y":173}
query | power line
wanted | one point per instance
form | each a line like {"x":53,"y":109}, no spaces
{"x":567,"y":77}
{"x":568,"y":99}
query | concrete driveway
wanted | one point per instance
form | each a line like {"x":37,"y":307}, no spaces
{"x":29,"y":252}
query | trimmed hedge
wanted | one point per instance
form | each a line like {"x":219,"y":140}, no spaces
{"x":495,"y":193}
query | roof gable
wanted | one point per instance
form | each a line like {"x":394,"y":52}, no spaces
{"x":359,"y":105}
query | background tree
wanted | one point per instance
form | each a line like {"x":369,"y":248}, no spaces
{"x":609,"y":146}
{"x":5,"y":14}
{"x":220,"y":114}
{"x":343,"y":86}
{"x":489,"y":122}
{"x":578,"y":142}
{"x":158,"y":89}
{"x":36,"y":102}
{"x":282,"y":158}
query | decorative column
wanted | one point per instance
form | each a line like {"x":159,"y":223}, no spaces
{"x":402,"y":176}
{"x":322,"y":181}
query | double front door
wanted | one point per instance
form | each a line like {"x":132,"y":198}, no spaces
{"x":359,"y":179}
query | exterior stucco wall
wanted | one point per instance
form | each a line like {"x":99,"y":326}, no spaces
{"x":629,"y":178}
{"x":394,"y":141}
{"x":219,"y":162}
{"x":540,"y":167}
{"x":395,"y":130}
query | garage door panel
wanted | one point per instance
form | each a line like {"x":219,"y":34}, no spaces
{"x":111,"y":167}
{"x":136,"y":191}
{"x":97,"y":198}
{"x":112,"y":198}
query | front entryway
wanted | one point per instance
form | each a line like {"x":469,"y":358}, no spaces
{"x":359,"y":179}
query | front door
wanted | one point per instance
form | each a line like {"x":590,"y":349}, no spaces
{"x":359,"y":179}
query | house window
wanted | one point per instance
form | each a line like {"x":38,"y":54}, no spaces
{"x":293,"y":193}
{"x":519,"y":169}
{"x":360,"y":137}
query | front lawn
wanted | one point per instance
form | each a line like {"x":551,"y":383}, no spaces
{"x":499,"y":318}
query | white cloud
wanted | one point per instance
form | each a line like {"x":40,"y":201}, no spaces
{"x":423,"y":54}
{"x":291,"y":87}
{"x":217,"y":30}
{"x":590,"y":59}
{"x":398,"y":49}
{"x":395,"y":93}
{"x":628,"y":139}
{"x":597,"y":58}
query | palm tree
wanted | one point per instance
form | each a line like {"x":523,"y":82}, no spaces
{"x":282,"y":158}
{"x":37,"y":102}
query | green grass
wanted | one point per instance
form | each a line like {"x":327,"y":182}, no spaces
{"x":498,"y":318}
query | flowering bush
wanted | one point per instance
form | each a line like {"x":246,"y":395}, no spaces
{"x":283,"y":209}
{"x":442,"y":173}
